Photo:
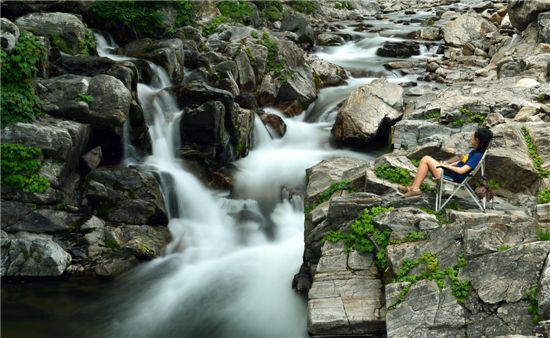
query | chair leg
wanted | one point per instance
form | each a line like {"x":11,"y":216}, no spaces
{"x":448,"y":199}
{"x":473,"y":195}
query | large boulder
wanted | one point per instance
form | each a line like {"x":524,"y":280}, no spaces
{"x":346,"y":296}
{"x":523,"y":12}
{"x":298,"y":24}
{"x":368,"y":111}
{"x":544,"y":26}
{"x":544,"y":293}
{"x":468,"y":28}
{"x":32,"y":255}
{"x":65,"y":31}
{"x":296,"y":92}
{"x":103,"y":100}
{"x":246,"y":76}
{"x":166,"y":53}
{"x":398,"y":49}
{"x":9,"y":34}
{"x":125,"y":195}
{"x":325,"y":73}
{"x":409,"y":134}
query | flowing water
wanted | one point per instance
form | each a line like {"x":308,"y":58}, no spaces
{"x":228,"y":269}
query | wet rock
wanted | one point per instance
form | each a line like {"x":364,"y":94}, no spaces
{"x":241,"y":130}
{"x":346,"y":297}
{"x":296,"y":92}
{"x":298,"y":24}
{"x":195,"y":93}
{"x":544,"y":24}
{"x":367,"y":111}
{"x":93,"y":158}
{"x":32,"y":255}
{"x":275,"y":124}
{"x":326,"y":73}
{"x":65,"y":31}
{"x":125,"y":195}
{"x":166,"y":53}
{"x":246,"y":76}
{"x":9,"y":34}
{"x":18,"y":216}
{"x":399,"y":49}
{"x":522,"y":13}
{"x":469,"y":27}
{"x":327,"y":39}
{"x":427,"y":311}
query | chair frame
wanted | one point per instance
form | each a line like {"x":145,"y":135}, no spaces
{"x":481,"y":203}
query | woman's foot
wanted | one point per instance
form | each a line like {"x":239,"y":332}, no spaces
{"x":403,"y":189}
{"x":413,"y":193}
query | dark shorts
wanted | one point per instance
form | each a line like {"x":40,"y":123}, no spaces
{"x":451,"y":175}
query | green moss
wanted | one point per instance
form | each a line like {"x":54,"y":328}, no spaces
{"x":274,"y":64}
{"x":457,"y":123}
{"x":19,"y":166}
{"x":537,"y":160}
{"x":364,"y":237}
{"x":111,"y":244}
{"x":18,"y":68}
{"x":542,"y":97}
{"x":87,"y":46}
{"x":441,"y":219}
{"x":544,"y":196}
{"x":344,"y":5}
{"x":503,"y":248}
{"x":412,"y":236}
{"x":83,"y":98}
{"x":241,"y":149}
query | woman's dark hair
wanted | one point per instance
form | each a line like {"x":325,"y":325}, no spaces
{"x":484,"y":136}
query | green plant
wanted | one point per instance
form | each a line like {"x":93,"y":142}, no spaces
{"x":84,"y":98}
{"x":88,"y":45}
{"x":412,"y":236}
{"x":344,"y":5}
{"x":237,"y":10}
{"x":254,"y":34}
{"x":537,"y":160}
{"x":435,"y":114}
{"x":61,"y":206}
{"x":533,"y":309}
{"x":111,"y":244}
{"x":184,"y":16}
{"x":365,"y":237}
{"x":19,"y":166}
{"x":542,"y":97}
{"x":327,"y":194}
{"x":303,"y":6}
{"x":543,"y":234}
{"x":458,"y":123}
{"x":493,"y":184}
{"x":19,"y":102}
{"x":544,"y":196}
{"x":393,"y":174}
{"x":274,"y":64}
{"x":211,"y":27}
{"x":441,"y":219}
{"x":503,"y":248}
{"x":142,"y":18}
{"x":431,"y":21}
{"x":472,"y":117}
{"x":416,"y":163}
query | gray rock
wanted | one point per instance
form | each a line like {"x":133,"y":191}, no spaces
{"x":542,"y":213}
{"x":327,"y":39}
{"x":326,"y":73}
{"x":32,"y":255}
{"x":409,"y":134}
{"x":241,"y":130}
{"x":125,"y":195}
{"x":18,"y":216}
{"x":167,"y":53}
{"x":524,"y":12}
{"x":544,"y":24}
{"x":403,"y":221}
{"x":296,"y":92}
{"x":93,"y":158}
{"x":366,"y":111}
{"x":346,"y":208}
{"x":506,"y":276}
{"x":246,"y":76}
{"x":9,"y":34}
{"x":426,"y":312}
{"x":64,"y":30}
{"x":543,"y":296}
{"x":298,"y":24}
{"x":468,"y":28}
{"x":345,"y":297}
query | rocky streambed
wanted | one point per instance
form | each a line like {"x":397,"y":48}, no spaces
{"x":133,"y":133}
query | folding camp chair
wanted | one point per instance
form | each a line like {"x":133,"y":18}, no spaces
{"x":481,"y":203}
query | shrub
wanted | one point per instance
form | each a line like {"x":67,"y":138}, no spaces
{"x":472,"y":117}
{"x":537,"y":160}
{"x":303,"y":6}
{"x":143,"y":18}
{"x":393,"y":174}
{"x":19,"y":102}
{"x":543,"y":234}
{"x":533,"y":309}
{"x":184,"y":16}
{"x":544,"y":196}
{"x":237,"y":10}
{"x":19,"y":166}
{"x":211,"y":27}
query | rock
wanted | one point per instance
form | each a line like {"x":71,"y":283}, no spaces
{"x":267,"y":91}
{"x":166,"y":53}
{"x":325,"y":73}
{"x":196,"y":93}
{"x":542,"y":213}
{"x":498,"y":277}
{"x":93,"y":158}
{"x":298,"y":24}
{"x":346,"y":208}
{"x":204,"y":133}
{"x":430,"y":33}
{"x":409,"y":134}
{"x":367,"y":111}
{"x":274,"y":123}
{"x":103,"y":101}
{"x":346,"y":297}
{"x":493,"y":119}
{"x":544,"y":25}
{"x":241,"y":130}
{"x":246,"y":76}
{"x":18,"y":216}
{"x":297,"y":92}
{"x":541,"y":138}
{"x":125,"y":195}
{"x":543,"y":296}
{"x":427,"y":311}
{"x":524,"y":12}
{"x":527,"y":83}
{"x":327,"y":39}
{"x":469,"y":27}
{"x":9,"y":34}
{"x":398,"y":49}
{"x":59,"y":140}
{"x":65,"y":31}
{"x":32,"y":255}
{"x":525,"y":114}
{"x":403,"y":221}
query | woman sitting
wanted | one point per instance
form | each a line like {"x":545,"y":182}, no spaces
{"x":454,"y":169}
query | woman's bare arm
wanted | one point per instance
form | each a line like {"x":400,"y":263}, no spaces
{"x":458,"y":170}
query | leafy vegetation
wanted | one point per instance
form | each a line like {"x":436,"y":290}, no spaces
{"x":84,"y":98}
{"x":533,"y":309}
{"x":503,"y":248}
{"x":431,"y":271}
{"x":543,"y":234}
{"x":435,"y":114}
{"x":365,"y":237}
{"x":412,"y":236}
{"x":19,"y":102}
{"x":303,"y":6}
{"x":441,"y":219}
{"x":544,"y":196}
{"x":211,"y":27}
{"x":537,"y":160}
{"x":542,"y":97}
{"x":274,"y":64}
{"x":19,"y":166}
{"x":184,"y":16}
{"x":472,"y":117}
{"x":344,"y":5}
{"x":398,"y":175}
{"x":142,"y":18}
{"x":458,"y":123}
{"x":237,"y":10}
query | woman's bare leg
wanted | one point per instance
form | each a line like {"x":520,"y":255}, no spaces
{"x":427,"y":163}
